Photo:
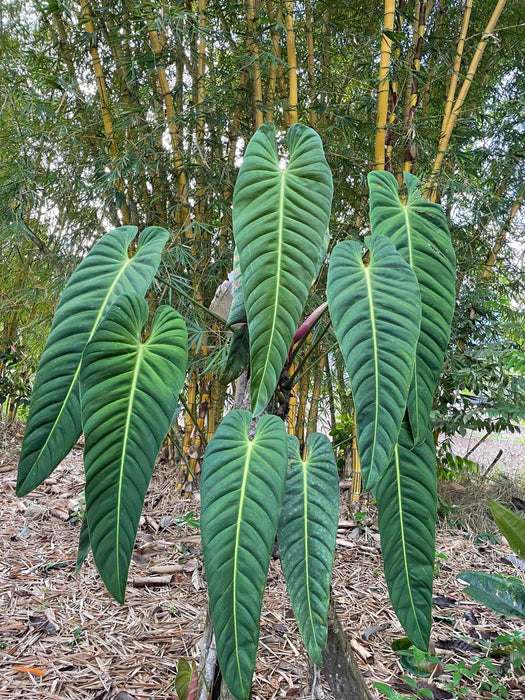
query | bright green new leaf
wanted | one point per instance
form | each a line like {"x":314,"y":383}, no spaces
{"x":511,"y":525}
{"x":407,"y":506}
{"x":419,"y":231}
{"x":376,"y":312}
{"x":306,"y":535}
{"x":280,"y":217}
{"x":54,"y":423}
{"x":129,"y":392}
{"x":242,"y":491}
{"x":504,"y":595}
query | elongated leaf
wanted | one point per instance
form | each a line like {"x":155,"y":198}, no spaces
{"x":376,"y":312}
{"x":511,"y":525}
{"x":242,"y":491}
{"x":504,"y":595}
{"x":129,"y":395}
{"x":407,"y":505}
{"x":54,"y":423}
{"x":307,"y":533}
{"x":84,"y":546}
{"x":238,"y":355}
{"x":280,"y":219}
{"x":420,"y":233}
{"x":237,"y":310}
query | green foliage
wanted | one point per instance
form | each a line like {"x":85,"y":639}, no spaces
{"x":504,"y":595}
{"x":407,"y":504}
{"x":307,"y":534}
{"x":242,"y":490}
{"x":419,"y":231}
{"x":129,"y":393}
{"x":280,"y":217}
{"x":511,"y":525}
{"x":376,"y":313}
{"x":54,"y":422}
{"x":84,"y":546}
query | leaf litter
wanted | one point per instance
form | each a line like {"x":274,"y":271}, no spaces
{"x":62,"y":636}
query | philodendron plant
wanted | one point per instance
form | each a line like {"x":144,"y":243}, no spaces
{"x":390,"y":299}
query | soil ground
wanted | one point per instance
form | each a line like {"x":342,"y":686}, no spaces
{"x":62,"y":636}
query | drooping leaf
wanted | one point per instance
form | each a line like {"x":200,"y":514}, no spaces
{"x":242,"y":490}
{"x":238,"y":354}
{"x":511,"y":525}
{"x":237,"y":310}
{"x":407,"y":506}
{"x":129,"y":393}
{"x":376,"y":311}
{"x":280,"y":217}
{"x":54,"y":422}
{"x":504,"y":595}
{"x":419,"y":231}
{"x":307,"y":534}
{"x":84,"y":546}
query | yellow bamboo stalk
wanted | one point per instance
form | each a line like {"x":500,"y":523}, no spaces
{"x":431,"y":189}
{"x":383,"y":92}
{"x":357,"y":477}
{"x":311,"y":62}
{"x":301,"y":409}
{"x":314,"y":399}
{"x":292,"y":407}
{"x":451,"y":93}
{"x":253,"y":48}
{"x":292,"y":62}
{"x":102,"y":90}
{"x":158,"y":43}
{"x":272,"y":73}
{"x":413,"y":92}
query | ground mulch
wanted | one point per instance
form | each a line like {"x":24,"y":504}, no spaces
{"x":62,"y":636}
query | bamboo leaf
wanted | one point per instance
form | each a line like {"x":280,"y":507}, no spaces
{"x":242,"y":491}
{"x":307,"y":534}
{"x":129,"y":395}
{"x":54,"y":422}
{"x":511,"y":525}
{"x":280,"y":217}
{"x":376,"y":312}
{"x":418,"y":229}
{"x":407,"y":506}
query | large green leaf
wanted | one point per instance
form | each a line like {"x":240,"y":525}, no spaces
{"x":511,"y":525}
{"x":376,"y":313}
{"x":504,"y":595}
{"x":84,"y":546}
{"x":407,"y":505}
{"x":242,"y":491}
{"x":307,"y":533}
{"x":280,"y":217}
{"x":129,"y":393}
{"x":419,"y":231}
{"x":54,"y":422}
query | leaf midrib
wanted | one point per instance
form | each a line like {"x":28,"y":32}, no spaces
{"x":125,"y":439}
{"x":242,"y":497}
{"x":403,"y":540}
{"x":304,"y":466}
{"x":280,"y":229}
{"x":77,"y":371}
{"x":376,"y":357}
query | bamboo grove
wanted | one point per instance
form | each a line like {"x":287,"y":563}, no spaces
{"x":138,"y":113}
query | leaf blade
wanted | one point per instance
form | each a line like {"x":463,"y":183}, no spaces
{"x":54,"y":422}
{"x":242,"y":489}
{"x":407,"y":506}
{"x":511,"y":525}
{"x":280,"y":218}
{"x":375,"y":311}
{"x":129,"y":398}
{"x":419,"y":230}
{"x":306,"y":535}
